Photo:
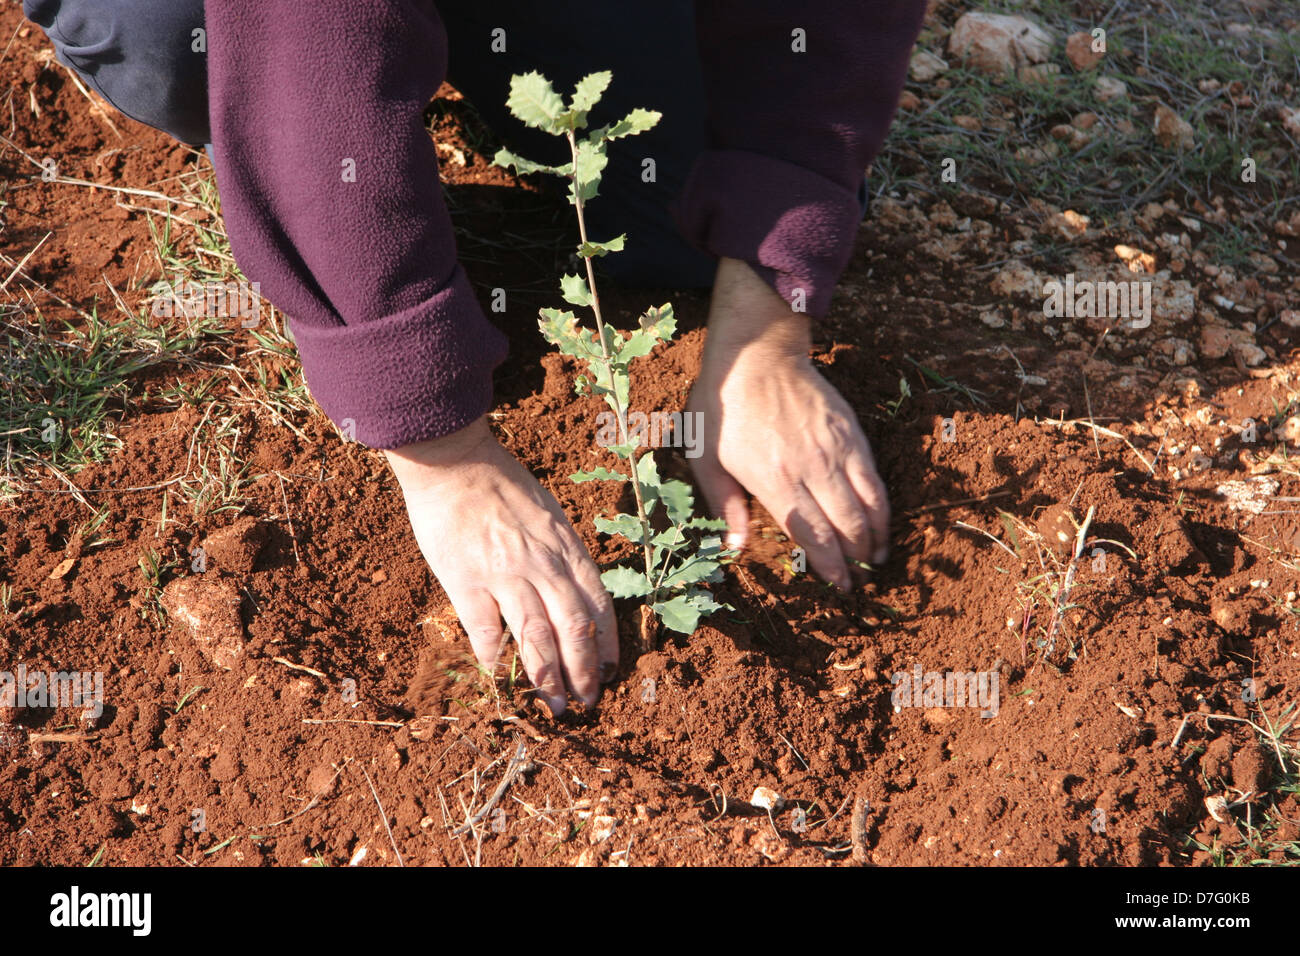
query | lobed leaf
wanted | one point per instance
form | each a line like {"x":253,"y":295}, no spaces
{"x":626,"y":525}
{"x":711,"y":547}
{"x":560,"y":327}
{"x":671,"y":538}
{"x":588,"y":167}
{"x":637,"y":121}
{"x":707,"y":524}
{"x":647,"y":473}
{"x":683,"y":612}
{"x":533,"y":102}
{"x":588,"y":250}
{"x":678,"y":500}
{"x":659,"y":322}
{"x":622,"y":582}
{"x":693,"y":570}
{"x":613,"y":339}
{"x":574,"y":290}
{"x":588,"y":92}
{"x":505,"y":159}
{"x":638,"y":344}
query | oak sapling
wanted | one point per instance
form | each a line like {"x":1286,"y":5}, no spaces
{"x":679,"y":560}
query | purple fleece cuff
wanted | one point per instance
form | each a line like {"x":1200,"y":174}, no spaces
{"x":794,"y":227}
{"x":419,"y":374}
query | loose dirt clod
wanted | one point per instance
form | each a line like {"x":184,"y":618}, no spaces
{"x":1249,"y":494}
{"x":1250,"y":770}
{"x":207,"y":610}
{"x":62,"y":569}
{"x":602,"y":828}
{"x":235,"y":548}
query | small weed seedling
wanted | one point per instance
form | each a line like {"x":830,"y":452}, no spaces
{"x":1044,"y":599}
{"x":676,"y":564}
{"x":153,"y":568}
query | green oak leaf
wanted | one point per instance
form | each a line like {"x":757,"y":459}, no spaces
{"x":588,"y":250}
{"x":505,"y":159}
{"x":588,"y":92}
{"x":533,"y":102}
{"x":679,"y":501}
{"x":707,"y":524}
{"x":683,"y":612}
{"x":647,"y":473}
{"x":671,"y":538}
{"x":588,"y":167}
{"x":678,"y":614}
{"x":624,"y":582}
{"x":693,"y":571}
{"x":638,"y":344}
{"x":574,"y":290}
{"x":637,"y":121}
{"x":659,"y":322}
{"x":626,"y":525}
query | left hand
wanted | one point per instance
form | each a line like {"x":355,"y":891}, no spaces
{"x":775,"y":428}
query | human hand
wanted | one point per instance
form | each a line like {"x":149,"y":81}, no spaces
{"x":774,"y":427}
{"x":500,"y":546}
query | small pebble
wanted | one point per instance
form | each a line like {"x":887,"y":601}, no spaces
{"x":767,"y":799}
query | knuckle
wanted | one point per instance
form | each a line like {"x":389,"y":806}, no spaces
{"x":818,"y":461}
{"x":574,"y":627}
{"x":841,"y":430}
{"x":535,"y":635}
{"x":784,"y":476}
{"x":855,"y":527}
{"x":603,"y":605}
{"x":549,"y":560}
{"x":484,"y":636}
{"x":822,"y":538}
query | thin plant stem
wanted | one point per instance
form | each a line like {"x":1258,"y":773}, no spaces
{"x":619,"y":409}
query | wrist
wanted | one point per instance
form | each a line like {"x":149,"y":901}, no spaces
{"x":748,"y":318}
{"x":435,"y":458}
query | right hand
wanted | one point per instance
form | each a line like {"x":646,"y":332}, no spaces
{"x":500,"y":546}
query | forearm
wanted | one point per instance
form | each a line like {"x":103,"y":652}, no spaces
{"x":330,"y":191}
{"x":791,"y":139}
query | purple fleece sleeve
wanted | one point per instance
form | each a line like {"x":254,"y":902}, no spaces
{"x":791,"y":133}
{"x":329,"y":187}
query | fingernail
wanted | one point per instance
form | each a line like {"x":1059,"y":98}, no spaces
{"x":881,"y":556}
{"x":735,"y":541}
{"x":550,"y":707}
{"x":608,"y":671}
{"x":590,"y":699}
